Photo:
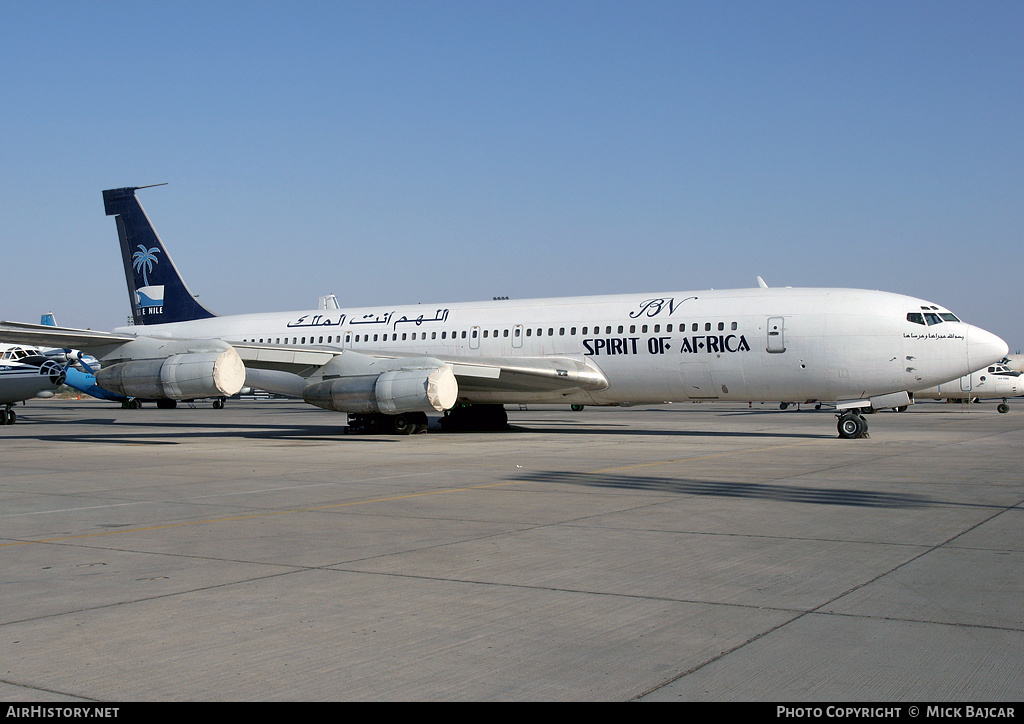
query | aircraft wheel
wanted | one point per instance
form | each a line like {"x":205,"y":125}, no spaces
{"x":11,"y":417}
{"x":4,"y":415}
{"x":575,"y":408}
{"x":402,"y":425}
{"x":852,"y":426}
{"x":783,"y":405}
{"x":218,"y":404}
{"x":1003,"y":407}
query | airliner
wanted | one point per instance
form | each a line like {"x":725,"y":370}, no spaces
{"x":997,"y":381}
{"x":25,"y":373}
{"x":387,"y":367}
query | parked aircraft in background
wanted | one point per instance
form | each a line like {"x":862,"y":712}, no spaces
{"x":24,"y":373}
{"x":997,"y":381}
{"x":387,"y":367}
{"x":1015,"y":362}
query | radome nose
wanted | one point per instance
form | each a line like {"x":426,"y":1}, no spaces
{"x":984,"y":348}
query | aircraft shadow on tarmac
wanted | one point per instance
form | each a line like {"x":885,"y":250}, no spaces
{"x":139,"y":432}
{"x":758,"y":491}
{"x":182,"y":428}
{"x":576,"y":429}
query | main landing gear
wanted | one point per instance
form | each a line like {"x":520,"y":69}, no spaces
{"x":852,"y":425}
{"x":461,"y":418}
{"x":405,"y":423}
{"x":7,"y":416}
{"x":475,"y":418}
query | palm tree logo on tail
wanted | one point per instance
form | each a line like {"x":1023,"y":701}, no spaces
{"x":143,"y":261}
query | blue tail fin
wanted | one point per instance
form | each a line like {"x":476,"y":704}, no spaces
{"x":157,"y":292}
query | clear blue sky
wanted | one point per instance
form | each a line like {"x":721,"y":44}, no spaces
{"x":393,"y":152}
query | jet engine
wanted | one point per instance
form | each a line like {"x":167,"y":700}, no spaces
{"x":177,"y":377}
{"x":392,"y":392}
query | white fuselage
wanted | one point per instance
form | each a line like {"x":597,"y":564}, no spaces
{"x":992,"y":382}
{"x":744,"y":344}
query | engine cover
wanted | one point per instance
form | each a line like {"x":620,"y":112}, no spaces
{"x":177,"y":377}
{"x":391,"y":392}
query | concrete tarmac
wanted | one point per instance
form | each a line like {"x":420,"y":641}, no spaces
{"x":694,"y":552}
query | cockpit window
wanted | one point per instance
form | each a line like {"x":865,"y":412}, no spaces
{"x":1001,"y":369}
{"x":930,"y":318}
{"x":16,"y":353}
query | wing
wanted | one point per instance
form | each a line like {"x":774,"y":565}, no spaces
{"x":474,"y":374}
{"x":41,"y":335}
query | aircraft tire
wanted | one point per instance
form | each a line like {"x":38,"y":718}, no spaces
{"x":1003,"y":408}
{"x":5,"y":416}
{"x":852,"y":426}
{"x":11,"y":417}
{"x":575,"y":408}
{"x":401,"y":424}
